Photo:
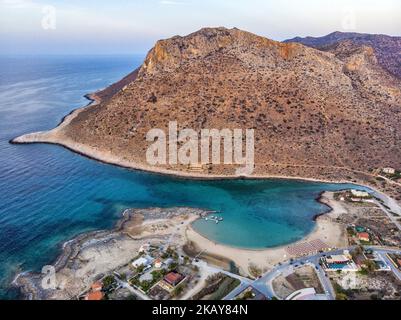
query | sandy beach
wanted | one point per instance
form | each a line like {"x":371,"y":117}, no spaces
{"x":89,"y":256}
{"x":327,"y":230}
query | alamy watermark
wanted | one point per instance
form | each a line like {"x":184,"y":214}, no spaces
{"x":49,"y":281}
{"x":187,"y":147}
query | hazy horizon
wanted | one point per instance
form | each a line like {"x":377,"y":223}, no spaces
{"x":129,"y":27}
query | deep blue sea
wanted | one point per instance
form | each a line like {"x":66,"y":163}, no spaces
{"x":49,"y":195}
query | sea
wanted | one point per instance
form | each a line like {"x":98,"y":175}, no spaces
{"x":48,"y":195}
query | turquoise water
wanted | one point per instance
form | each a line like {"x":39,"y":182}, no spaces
{"x":49,"y":195}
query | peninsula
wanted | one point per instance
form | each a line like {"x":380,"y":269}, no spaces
{"x":330,"y":115}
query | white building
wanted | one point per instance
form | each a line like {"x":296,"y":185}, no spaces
{"x":360,"y":194}
{"x":144,"y":248}
{"x":338,"y":259}
{"x":158,"y":263}
{"x":306,"y":294}
{"x":341,"y":262}
{"x":142,"y":261}
{"x":389,"y":170}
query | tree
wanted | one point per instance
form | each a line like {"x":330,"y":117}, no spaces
{"x":177,"y":290}
{"x":341,"y":296}
{"x":370,"y":266}
{"x":173,"y":266}
{"x":248,"y":295}
{"x":108,"y":281}
{"x":145,"y":285}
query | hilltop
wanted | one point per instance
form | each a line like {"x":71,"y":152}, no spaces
{"x":387,"y":48}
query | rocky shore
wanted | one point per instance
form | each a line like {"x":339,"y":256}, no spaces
{"x":91,"y":255}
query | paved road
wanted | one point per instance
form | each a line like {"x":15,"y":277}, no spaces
{"x":389,"y":180}
{"x":231,"y":296}
{"x":326,"y":283}
{"x":245,"y":282}
{"x":264,"y":284}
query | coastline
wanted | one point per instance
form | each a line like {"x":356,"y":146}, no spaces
{"x":264,"y":258}
{"x":90,"y":255}
{"x":29,"y":282}
{"x":26,"y":281}
{"x":52,"y":137}
{"x":330,"y":232}
{"x":326,"y":229}
{"x":55,"y":136}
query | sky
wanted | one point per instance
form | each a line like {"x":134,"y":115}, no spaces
{"x":133,"y":26}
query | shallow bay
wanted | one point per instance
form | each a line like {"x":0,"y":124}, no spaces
{"x":49,"y":195}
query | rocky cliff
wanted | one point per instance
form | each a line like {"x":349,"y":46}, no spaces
{"x":387,"y":48}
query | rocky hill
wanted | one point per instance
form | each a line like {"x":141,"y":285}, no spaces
{"x":387,"y":49}
{"x":331,"y":115}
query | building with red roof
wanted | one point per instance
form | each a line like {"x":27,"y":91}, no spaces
{"x":97,"y":286}
{"x":94,"y":296}
{"x":173,"y":278}
{"x":364,"y":236}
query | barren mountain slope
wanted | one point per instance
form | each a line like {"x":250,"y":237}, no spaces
{"x":316,"y":114}
{"x":387,"y":48}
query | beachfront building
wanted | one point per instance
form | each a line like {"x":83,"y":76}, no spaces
{"x":360,"y":194}
{"x":158,"y":263}
{"x":342,"y":262}
{"x":339,"y":259}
